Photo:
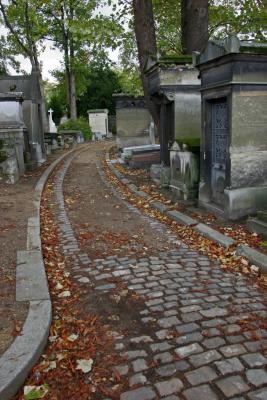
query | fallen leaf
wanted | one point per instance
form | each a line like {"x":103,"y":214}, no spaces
{"x":85,"y":365}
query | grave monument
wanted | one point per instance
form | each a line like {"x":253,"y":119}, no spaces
{"x":234,"y":127}
{"x":133,"y":121}
{"x":13,"y":135}
{"x":174,"y":88}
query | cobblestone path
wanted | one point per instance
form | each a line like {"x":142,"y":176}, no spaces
{"x":194,"y":331}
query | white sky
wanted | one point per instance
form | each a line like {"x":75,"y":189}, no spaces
{"x":51,"y":58}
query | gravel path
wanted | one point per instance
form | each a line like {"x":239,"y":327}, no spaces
{"x":185,"y":328}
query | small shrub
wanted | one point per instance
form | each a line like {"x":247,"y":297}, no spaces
{"x":80,"y":124}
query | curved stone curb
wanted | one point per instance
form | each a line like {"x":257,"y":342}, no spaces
{"x":254,"y":256}
{"x":31,"y":285}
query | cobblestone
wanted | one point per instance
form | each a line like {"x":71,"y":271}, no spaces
{"x":257,"y":377}
{"x":229,"y":366}
{"x":203,"y":392}
{"x":169,"y":387}
{"x":254,"y":360}
{"x":232,"y":386}
{"x":144,"y":393}
{"x":197,"y":307}
{"x":201,"y":375}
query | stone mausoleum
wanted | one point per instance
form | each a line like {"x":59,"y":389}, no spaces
{"x":28,"y":86}
{"x":133,"y":121}
{"x":234,"y":127}
{"x":174,"y":88}
{"x":13,"y":136}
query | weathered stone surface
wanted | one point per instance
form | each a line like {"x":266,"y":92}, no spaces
{"x":254,"y":360}
{"x":260,"y":394}
{"x":186,"y":351}
{"x":203,"y":392}
{"x":233,"y":350}
{"x":139,"y":365}
{"x":214,"y":312}
{"x":31,"y":281}
{"x":257,"y":377}
{"x":229,"y":366}
{"x":232,"y":386}
{"x":205,"y":358}
{"x":201,"y":375}
{"x":171,"y":386}
{"x":218,"y":237}
{"x":254,"y":256}
{"x":181,"y":218}
{"x":144,"y":393}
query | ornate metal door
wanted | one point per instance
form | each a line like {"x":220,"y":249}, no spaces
{"x":219,"y":149}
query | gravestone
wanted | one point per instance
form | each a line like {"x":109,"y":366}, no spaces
{"x":234,"y":127}
{"x":132,"y":121}
{"x":98,"y":121}
{"x":13,"y":135}
{"x":52,"y":131}
{"x":174,"y":88}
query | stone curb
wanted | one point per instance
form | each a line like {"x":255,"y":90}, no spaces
{"x":31,"y":285}
{"x":254,"y":256}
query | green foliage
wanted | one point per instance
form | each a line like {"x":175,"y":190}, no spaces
{"x":80,"y":124}
{"x":193,"y":143}
{"x":130,"y":82}
{"x":102,"y":82}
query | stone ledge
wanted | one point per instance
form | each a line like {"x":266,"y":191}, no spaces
{"x":214,"y":235}
{"x":254,"y":256}
{"x":31,"y":282}
{"x":25,"y":351}
{"x":28,"y":346}
{"x":181,"y":218}
{"x":157,"y":205}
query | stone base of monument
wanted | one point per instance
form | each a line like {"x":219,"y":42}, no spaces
{"x":10,"y":169}
{"x":184,"y":173}
{"x":144,"y":160}
{"x":128,"y":152}
{"x":160,"y":174}
{"x":237,"y":203}
{"x":13,"y":145}
{"x":37,"y":154}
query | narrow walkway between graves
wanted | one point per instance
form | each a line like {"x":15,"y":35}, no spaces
{"x":173,"y":324}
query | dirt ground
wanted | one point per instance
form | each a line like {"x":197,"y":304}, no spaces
{"x":103,"y":225}
{"x":237,"y":230}
{"x":15,"y":209}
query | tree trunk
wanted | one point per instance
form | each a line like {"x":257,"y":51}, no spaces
{"x":194,"y":18}
{"x":73,"y":106}
{"x":144,"y":27}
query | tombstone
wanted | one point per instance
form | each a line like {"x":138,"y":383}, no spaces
{"x":132,"y":121}
{"x":31,"y":109}
{"x":52,"y":126}
{"x":234,"y":127}
{"x":13,"y":135}
{"x":64,"y":118}
{"x":174,"y":89}
{"x":184,"y":172}
{"x":98,"y":121}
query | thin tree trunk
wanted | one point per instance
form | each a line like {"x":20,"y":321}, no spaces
{"x":73,"y":106}
{"x":194,"y":19}
{"x":144,"y":27}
